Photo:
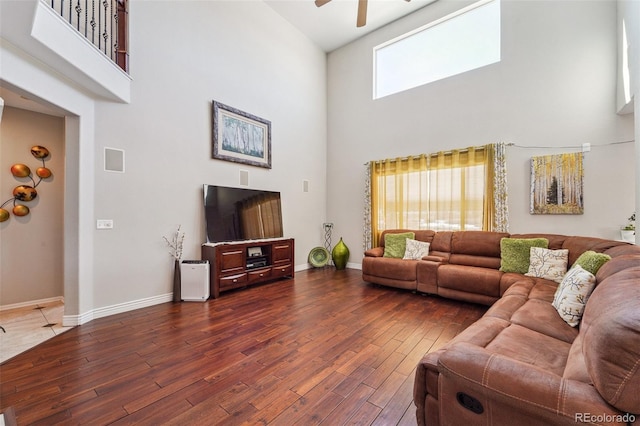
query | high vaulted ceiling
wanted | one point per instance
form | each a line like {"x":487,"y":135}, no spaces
{"x":334,"y":24}
{"x":331,"y":26}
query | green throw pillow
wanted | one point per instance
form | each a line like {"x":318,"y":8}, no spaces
{"x":591,"y":261}
{"x":515,"y":253}
{"x":396,"y":244}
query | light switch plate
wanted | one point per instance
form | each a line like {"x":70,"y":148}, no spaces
{"x":104,"y":224}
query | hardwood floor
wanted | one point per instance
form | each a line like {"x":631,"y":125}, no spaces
{"x":324,"y":348}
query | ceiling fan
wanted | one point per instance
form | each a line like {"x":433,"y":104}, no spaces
{"x":362,"y":10}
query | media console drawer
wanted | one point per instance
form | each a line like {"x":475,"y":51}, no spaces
{"x":245,"y":263}
{"x":233,"y":281}
{"x":231,"y":259}
{"x":282,"y":270}
{"x":259,"y":275}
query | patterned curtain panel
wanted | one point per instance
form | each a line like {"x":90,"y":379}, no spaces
{"x":456,"y":190}
{"x":500,"y":199}
{"x":367,"y":242}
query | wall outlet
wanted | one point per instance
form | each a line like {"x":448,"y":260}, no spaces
{"x":104,"y":224}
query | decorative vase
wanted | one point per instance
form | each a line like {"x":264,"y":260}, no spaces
{"x":340,"y":255}
{"x":177,"y":296}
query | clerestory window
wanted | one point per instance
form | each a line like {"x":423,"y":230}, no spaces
{"x":462,"y":41}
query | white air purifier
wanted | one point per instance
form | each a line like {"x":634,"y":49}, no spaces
{"x":194,"y":277}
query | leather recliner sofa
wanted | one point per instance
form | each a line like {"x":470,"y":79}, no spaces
{"x":521,"y":363}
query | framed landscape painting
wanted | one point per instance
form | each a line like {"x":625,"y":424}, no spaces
{"x":240,"y":137}
{"x":556,"y":184}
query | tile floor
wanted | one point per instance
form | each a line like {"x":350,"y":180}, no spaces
{"x":29,"y":326}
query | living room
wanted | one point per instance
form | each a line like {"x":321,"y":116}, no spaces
{"x":555,"y":89}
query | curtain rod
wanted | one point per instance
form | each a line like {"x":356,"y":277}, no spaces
{"x":437,"y":153}
{"x":573,"y":146}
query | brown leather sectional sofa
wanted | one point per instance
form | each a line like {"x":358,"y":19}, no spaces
{"x":521,"y":363}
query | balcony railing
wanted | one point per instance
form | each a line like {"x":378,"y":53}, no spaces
{"x":103,"y":22}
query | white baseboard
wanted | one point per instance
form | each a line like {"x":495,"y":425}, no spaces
{"x":31,"y":303}
{"x":354,"y":266}
{"x":302,"y":267}
{"x":309,"y":266}
{"x":73,"y":320}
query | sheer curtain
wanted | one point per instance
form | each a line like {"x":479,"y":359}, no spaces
{"x":452,"y":190}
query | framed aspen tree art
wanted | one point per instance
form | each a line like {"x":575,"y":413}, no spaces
{"x":556,"y":184}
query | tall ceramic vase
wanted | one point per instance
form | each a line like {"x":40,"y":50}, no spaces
{"x":340,"y":255}
{"x":177,"y":294}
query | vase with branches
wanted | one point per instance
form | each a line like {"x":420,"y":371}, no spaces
{"x":175,"y":250}
{"x":628,"y":231}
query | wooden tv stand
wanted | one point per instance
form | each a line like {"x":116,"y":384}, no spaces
{"x":241,"y":264}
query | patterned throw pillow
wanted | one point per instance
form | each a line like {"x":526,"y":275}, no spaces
{"x":416,"y":249}
{"x":592,"y":261}
{"x":515,"y":252}
{"x":572,"y":294}
{"x":548,"y":264}
{"x":395,"y":244}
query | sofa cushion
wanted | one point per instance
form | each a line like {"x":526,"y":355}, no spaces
{"x":386,"y":267}
{"x":576,"y":368}
{"x":396,"y":244}
{"x":592,"y":261}
{"x":477,"y":243}
{"x":416,"y":249}
{"x":578,"y":245}
{"x":530,"y":347}
{"x":572,"y":294}
{"x":470,"y":279}
{"x":617,"y":264}
{"x":441,"y":244}
{"x":540,"y":316}
{"x":515,"y":253}
{"x":548,"y":264}
{"x":556,"y":241}
{"x":528,"y":303}
{"x":611,"y":339}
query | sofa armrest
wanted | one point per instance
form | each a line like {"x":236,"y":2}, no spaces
{"x":426,"y":369}
{"x":508,"y":385}
{"x":433,"y":258}
{"x":375,"y":252}
{"x":427,"y":273}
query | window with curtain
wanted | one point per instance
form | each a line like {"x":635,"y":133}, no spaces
{"x":442,"y":191}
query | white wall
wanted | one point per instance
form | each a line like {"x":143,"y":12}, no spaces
{"x":184,"y":55}
{"x":629,"y":14}
{"x":32,"y":245}
{"x":554,"y":87}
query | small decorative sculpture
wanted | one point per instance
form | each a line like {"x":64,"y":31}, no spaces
{"x":327,"y":235}
{"x":26,"y":193}
{"x":340,"y":255}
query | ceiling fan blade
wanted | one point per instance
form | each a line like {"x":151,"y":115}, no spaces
{"x":362,"y":13}
{"x":322,"y":2}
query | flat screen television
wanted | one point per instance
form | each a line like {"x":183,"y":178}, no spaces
{"x":236,"y":214}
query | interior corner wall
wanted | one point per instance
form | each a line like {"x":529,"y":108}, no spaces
{"x":244,"y":55}
{"x":552,"y":91}
{"x":31,"y":267}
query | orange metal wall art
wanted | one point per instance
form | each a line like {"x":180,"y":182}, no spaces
{"x":25,"y":192}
